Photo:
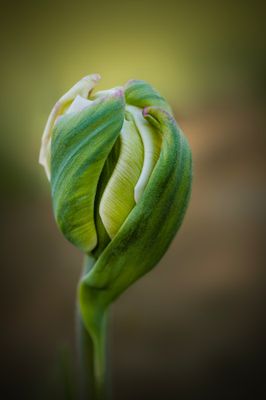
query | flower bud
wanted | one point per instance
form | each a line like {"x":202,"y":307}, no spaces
{"x":120,"y":171}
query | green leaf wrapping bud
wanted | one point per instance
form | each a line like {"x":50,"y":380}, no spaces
{"x":121,"y":178}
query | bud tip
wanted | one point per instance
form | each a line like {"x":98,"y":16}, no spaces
{"x":145,"y":111}
{"x":119,"y":92}
{"x":92,"y":77}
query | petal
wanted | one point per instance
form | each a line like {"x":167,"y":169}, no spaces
{"x":142,"y":94}
{"x":81,"y":143}
{"x":103,"y":237}
{"x":78,"y":104}
{"x":152,"y":144}
{"x":81,"y":88}
{"x":118,"y":198}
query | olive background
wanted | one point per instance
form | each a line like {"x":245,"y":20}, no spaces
{"x":194,"y":327}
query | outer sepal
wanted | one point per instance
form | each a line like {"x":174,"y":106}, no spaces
{"x":147,"y":232}
{"x":81,"y":143}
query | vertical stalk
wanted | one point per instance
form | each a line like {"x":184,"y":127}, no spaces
{"x":92,"y":352}
{"x":100,"y":372}
{"x":85,"y":359}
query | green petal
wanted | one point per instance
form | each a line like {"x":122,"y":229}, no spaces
{"x":118,"y":198}
{"x":141,"y":94}
{"x":81,"y":143}
{"x":149,"y":228}
{"x":103,"y":237}
{"x":82,"y":88}
{"x":152,"y":144}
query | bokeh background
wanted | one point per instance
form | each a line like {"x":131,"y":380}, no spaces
{"x":194,"y":328}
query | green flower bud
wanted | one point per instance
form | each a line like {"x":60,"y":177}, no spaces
{"x":120,"y":171}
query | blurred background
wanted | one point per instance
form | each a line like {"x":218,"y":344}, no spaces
{"x":193,"y":328}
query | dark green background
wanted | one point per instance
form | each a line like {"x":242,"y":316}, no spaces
{"x":194,"y":327}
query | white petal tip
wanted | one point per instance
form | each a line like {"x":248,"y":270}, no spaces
{"x":92,"y":77}
{"x":138,"y":191}
{"x":78,"y":104}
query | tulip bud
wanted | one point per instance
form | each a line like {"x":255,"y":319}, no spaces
{"x":120,"y":171}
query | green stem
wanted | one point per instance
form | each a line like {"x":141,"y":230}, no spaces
{"x":86,"y":374}
{"x":92,"y":352}
{"x":100,"y":360}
